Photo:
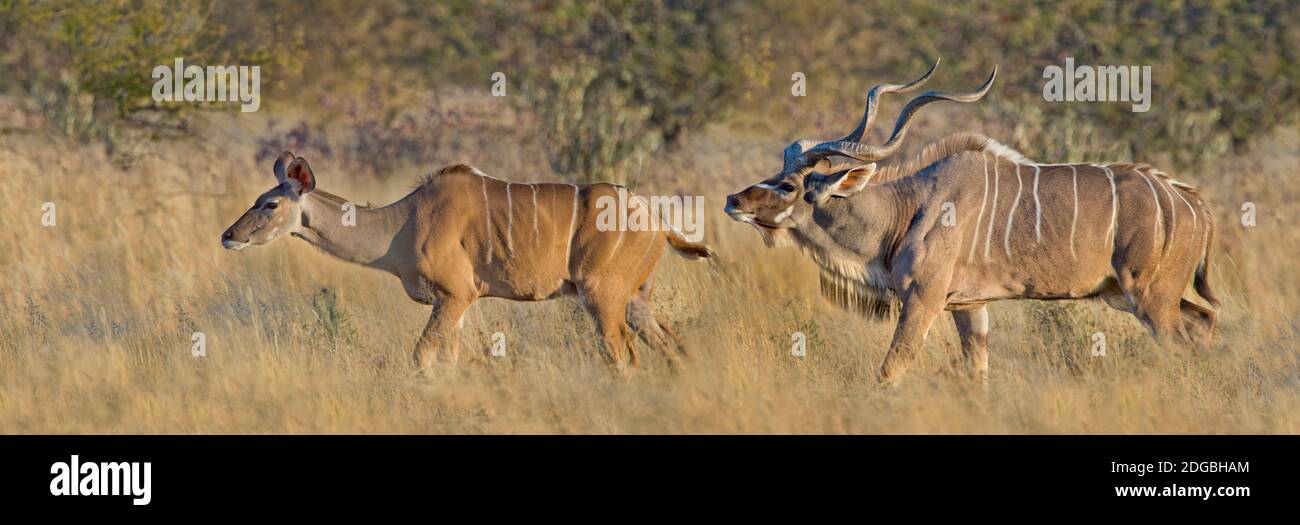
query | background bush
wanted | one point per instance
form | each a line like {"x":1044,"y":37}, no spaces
{"x":86,"y":66}
{"x":606,"y":82}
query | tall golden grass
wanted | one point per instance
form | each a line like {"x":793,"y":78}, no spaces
{"x":98,"y":312}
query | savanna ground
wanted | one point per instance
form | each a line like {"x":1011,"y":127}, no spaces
{"x":688,"y":98}
{"x":99,"y":310}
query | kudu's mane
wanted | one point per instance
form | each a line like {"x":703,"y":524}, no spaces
{"x":426,"y":181}
{"x":449,"y":170}
{"x":946,"y":147}
{"x":963,"y":142}
{"x":423,"y":182}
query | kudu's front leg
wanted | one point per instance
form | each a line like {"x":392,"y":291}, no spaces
{"x":921,"y":305}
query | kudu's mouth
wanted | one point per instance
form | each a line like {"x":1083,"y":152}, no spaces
{"x":733,"y":210}
{"x":750,"y":218}
{"x":228,"y":242}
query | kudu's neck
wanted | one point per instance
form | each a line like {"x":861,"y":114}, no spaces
{"x":364,"y":236}
{"x":870,"y":224}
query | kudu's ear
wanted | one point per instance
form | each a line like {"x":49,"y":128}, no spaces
{"x":281,"y":164}
{"x":299,"y":172}
{"x":842,"y":184}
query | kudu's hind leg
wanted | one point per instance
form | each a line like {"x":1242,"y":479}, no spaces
{"x":609,"y":310}
{"x":653,"y":331}
{"x":1156,"y":294}
{"x":1163,"y":319}
{"x":1198,"y":320}
{"x":1157,"y":309}
{"x":973,"y":329}
{"x":439,"y":341}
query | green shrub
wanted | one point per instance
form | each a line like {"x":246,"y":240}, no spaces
{"x":332,"y":326}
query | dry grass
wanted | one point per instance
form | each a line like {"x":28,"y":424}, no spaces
{"x":96,"y":321}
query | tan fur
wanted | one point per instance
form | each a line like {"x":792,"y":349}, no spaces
{"x":462,"y":235}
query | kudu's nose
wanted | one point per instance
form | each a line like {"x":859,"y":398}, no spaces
{"x":228,"y":240}
{"x":732,"y":202}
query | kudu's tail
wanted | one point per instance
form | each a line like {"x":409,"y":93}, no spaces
{"x":690,"y":250}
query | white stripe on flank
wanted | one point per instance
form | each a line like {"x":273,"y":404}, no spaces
{"x":1038,"y":211}
{"x":1111,"y":234}
{"x":993,"y":214}
{"x":974,"y":240}
{"x":537,"y":234}
{"x":622,"y":228}
{"x":1011,"y":216}
{"x":1174,"y":185}
{"x":1205,"y":245}
{"x":510,"y":221}
{"x":617,"y":242}
{"x":487,"y":217}
{"x":648,"y":248}
{"x":1195,"y":224}
{"x":1074,"y":174}
{"x":573,"y":219}
{"x":1173,"y":210}
{"x":1160,"y":216}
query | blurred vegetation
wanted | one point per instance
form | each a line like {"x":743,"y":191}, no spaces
{"x":86,"y":66}
{"x":607,"y":81}
{"x":601,"y":83}
{"x":1225,"y":71}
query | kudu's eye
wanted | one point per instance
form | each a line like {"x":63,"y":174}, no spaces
{"x":271,"y":205}
{"x":787,"y":187}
